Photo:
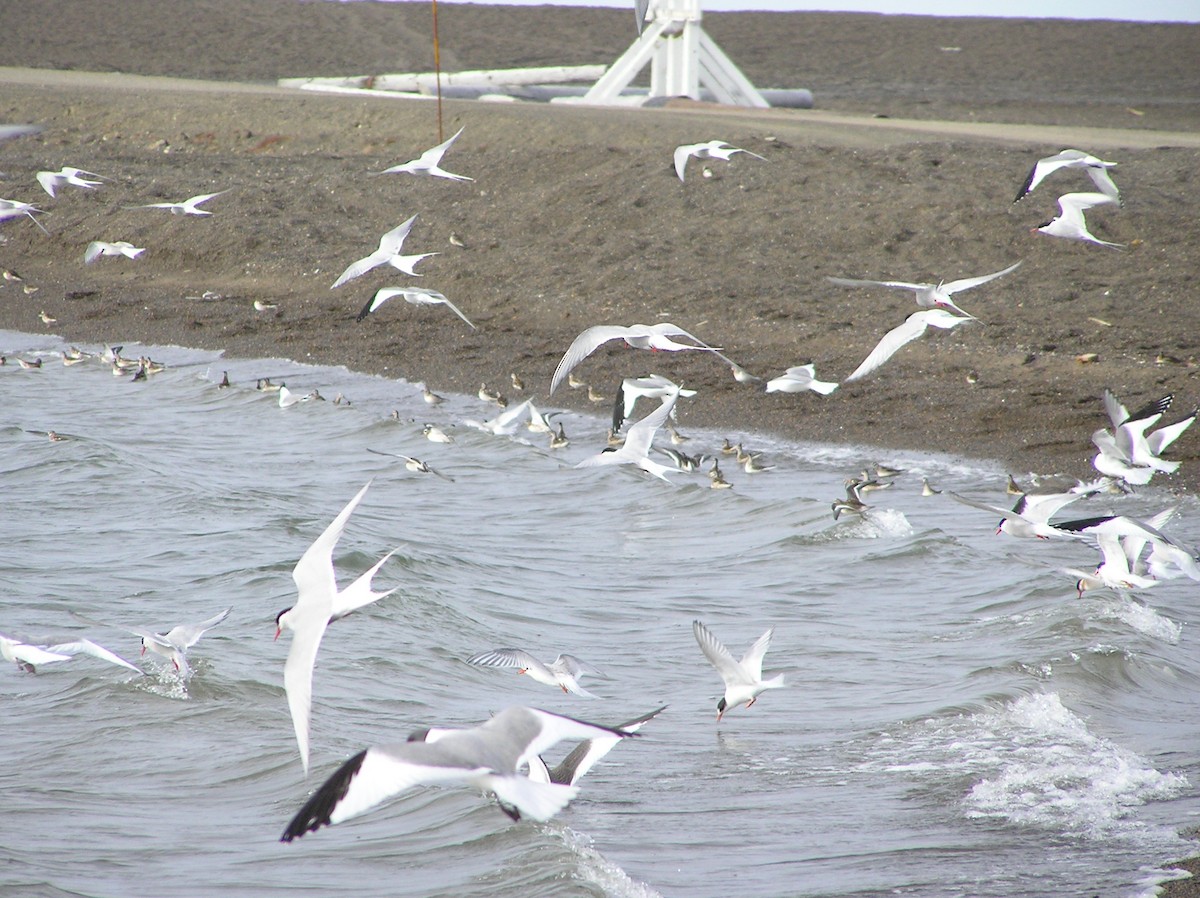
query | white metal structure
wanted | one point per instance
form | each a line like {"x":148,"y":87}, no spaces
{"x":683,"y":60}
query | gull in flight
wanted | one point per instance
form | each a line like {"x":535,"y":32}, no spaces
{"x":636,"y":448}
{"x":1128,"y":453}
{"x":416,"y":297}
{"x":800,"y":379}
{"x":1097,"y":170}
{"x":487,"y":757}
{"x":387,"y":254}
{"x":52,"y":180}
{"x":15,"y":209}
{"x":99,"y":248}
{"x":743,"y":679}
{"x":428,"y":163}
{"x":713,"y":149}
{"x":653,"y":386}
{"x":187,"y":207}
{"x":175,"y":642}
{"x":655,"y":337}
{"x":930,"y":296}
{"x":914,"y":326}
{"x":572,"y":768}
{"x":318,"y":602}
{"x":1070,"y":223}
{"x":30,"y":657}
{"x":563,"y":672}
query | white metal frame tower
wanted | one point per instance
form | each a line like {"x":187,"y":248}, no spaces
{"x":684,"y":59}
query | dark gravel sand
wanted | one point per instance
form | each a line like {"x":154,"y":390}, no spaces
{"x":576,"y":217}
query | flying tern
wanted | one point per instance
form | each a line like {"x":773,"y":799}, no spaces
{"x":1070,"y":223}
{"x":388,"y":253}
{"x":429,"y":163}
{"x":636,"y":448}
{"x":318,"y":602}
{"x":800,"y":379}
{"x":914,"y":326}
{"x":563,"y":672}
{"x":52,"y":180}
{"x":30,"y":657}
{"x":1097,"y":170}
{"x":99,"y":248}
{"x":632,"y":389}
{"x":639,"y":336}
{"x":187,"y":207}
{"x":930,"y":296}
{"x":175,"y":642}
{"x":743,"y":679}
{"x":416,"y":297}
{"x":713,"y":149}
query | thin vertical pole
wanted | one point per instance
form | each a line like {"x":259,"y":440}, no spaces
{"x":437,"y":70}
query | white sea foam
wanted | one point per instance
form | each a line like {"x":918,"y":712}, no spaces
{"x":1042,"y":767}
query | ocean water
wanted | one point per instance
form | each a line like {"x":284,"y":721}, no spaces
{"x":956,"y":722}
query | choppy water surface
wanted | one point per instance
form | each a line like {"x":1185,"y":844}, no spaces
{"x":956,"y":721}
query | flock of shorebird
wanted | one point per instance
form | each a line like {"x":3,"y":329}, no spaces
{"x":503,"y":755}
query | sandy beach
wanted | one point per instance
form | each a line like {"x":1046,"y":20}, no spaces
{"x":906,"y":169}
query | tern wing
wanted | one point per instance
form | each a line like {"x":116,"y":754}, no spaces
{"x":898,"y":285}
{"x":360,"y":593}
{"x":381,"y":296}
{"x":585,"y":344}
{"x":185,"y":636}
{"x":87,"y":647}
{"x":968,"y":283}
{"x":914,"y":326}
{"x":752,"y":661}
{"x":720,"y":658}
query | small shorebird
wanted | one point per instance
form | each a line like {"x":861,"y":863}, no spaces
{"x":559,"y":440}
{"x":430,"y":397}
{"x":435,"y":434}
{"x":46,"y":319}
{"x":489,"y":395}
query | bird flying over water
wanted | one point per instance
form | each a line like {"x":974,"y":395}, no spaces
{"x":563,"y":672}
{"x":743,"y":679}
{"x":488,"y":757}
